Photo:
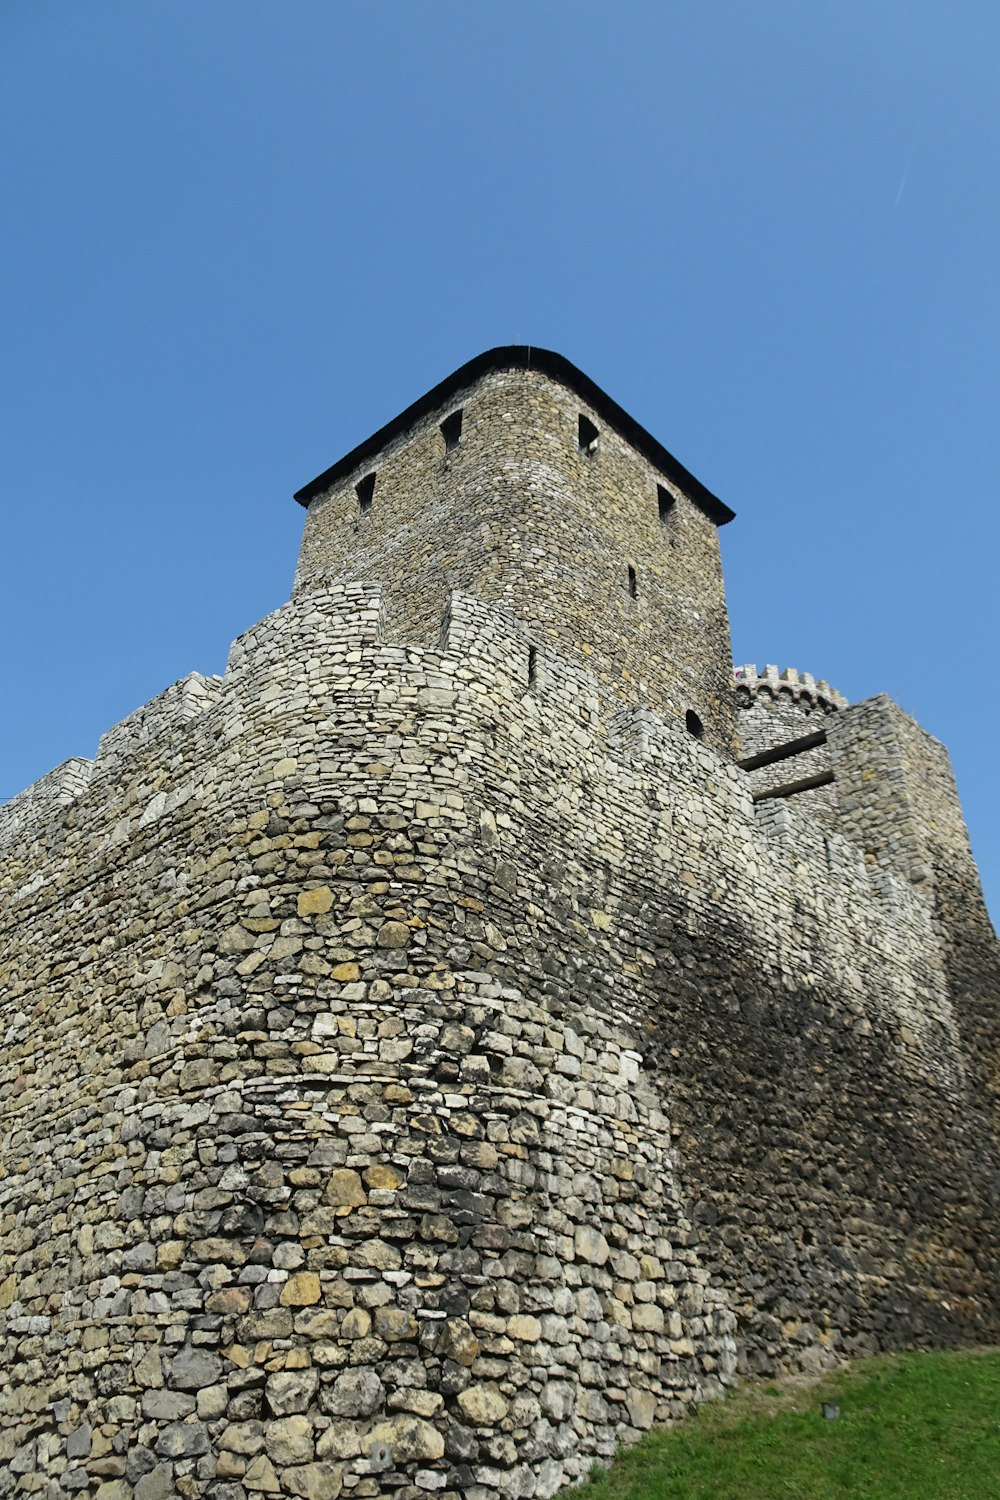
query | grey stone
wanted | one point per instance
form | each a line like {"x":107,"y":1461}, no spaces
{"x":182,"y":1440}
{"x":166,"y":1406}
{"x":291,"y":1391}
{"x":191,"y":1369}
{"x":356,"y":1393}
{"x":78,"y":1442}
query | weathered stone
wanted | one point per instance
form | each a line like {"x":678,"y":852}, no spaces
{"x":377,"y":1255}
{"x":115,"y":1489}
{"x":314,"y":902}
{"x":409,"y":1438}
{"x":344,"y":1189}
{"x":382,"y":1176}
{"x":647,"y":1317}
{"x":157,"y":1484}
{"x":394,"y":1324}
{"x":318,"y":1323}
{"x":235,"y":939}
{"x":212,"y":1402}
{"x":166,"y":1406}
{"x":341,"y":1440}
{"x":230,"y":1465}
{"x":458,"y":1342}
{"x":482,"y":1405}
{"x":591,"y":1245}
{"x":393,"y":935}
{"x":78,"y":1442}
{"x":231,"y":1300}
{"x":191,"y":1368}
{"x":641,"y":1408}
{"x":246,"y":1438}
{"x":356,"y":1393}
{"x":346,"y":973}
{"x":291,"y":1391}
{"x":301,"y":1290}
{"x":591,"y":1406}
{"x":111,"y":1465}
{"x":182,"y":1440}
{"x":260,"y":1476}
{"x":289,"y":1441}
{"x":319,"y":1481}
{"x":357,"y":1324}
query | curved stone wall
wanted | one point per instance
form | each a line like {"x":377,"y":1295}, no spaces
{"x":413,"y":1083}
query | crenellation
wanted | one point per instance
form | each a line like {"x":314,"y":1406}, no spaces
{"x":426,"y":1065}
{"x":159,"y":718}
{"x":789,"y":685}
{"x":45,"y":799}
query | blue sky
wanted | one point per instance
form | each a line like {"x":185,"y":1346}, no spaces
{"x":240,"y":236}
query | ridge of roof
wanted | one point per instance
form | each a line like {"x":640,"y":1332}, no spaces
{"x":557,"y":367}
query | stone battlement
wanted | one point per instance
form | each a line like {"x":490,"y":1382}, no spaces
{"x":790,"y":683}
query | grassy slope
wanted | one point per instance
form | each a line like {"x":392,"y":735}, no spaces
{"x":911,"y":1427}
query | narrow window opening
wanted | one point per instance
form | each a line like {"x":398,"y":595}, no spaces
{"x":532,"y":665}
{"x":587,"y":435}
{"x":633,"y":583}
{"x":365,"y":489}
{"x":693,"y":724}
{"x":451,"y":430}
{"x":665,"y":501}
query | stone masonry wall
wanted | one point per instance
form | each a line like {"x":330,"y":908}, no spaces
{"x":898,"y":801}
{"x":519,"y":515}
{"x":415,"y":1081}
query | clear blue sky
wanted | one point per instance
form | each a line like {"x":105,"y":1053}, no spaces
{"x":238,"y":236}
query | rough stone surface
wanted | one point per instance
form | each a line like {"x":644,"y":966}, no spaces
{"x":424,"y":1064}
{"x":562,"y":529}
{"x":409,"y":1438}
{"x":290,"y":1441}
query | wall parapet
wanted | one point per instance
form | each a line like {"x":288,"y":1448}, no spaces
{"x":790,"y":683}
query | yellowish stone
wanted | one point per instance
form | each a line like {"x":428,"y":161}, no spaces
{"x":301,"y":1290}
{"x":316,"y":901}
{"x":345,"y":973}
{"x":383,"y":1177}
{"x":344,"y":1189}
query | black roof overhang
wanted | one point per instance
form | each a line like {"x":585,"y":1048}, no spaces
{"x":524,"y":357}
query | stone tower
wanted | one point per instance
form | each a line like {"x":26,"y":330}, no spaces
{"x":456,"y":1039}
{"x":518,"y":481}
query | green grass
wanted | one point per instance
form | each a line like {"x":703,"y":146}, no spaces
{"x":911,"y":1427}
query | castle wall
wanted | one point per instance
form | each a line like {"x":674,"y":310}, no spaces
{"x":412,"y":1078}
{"x":517,"y":514}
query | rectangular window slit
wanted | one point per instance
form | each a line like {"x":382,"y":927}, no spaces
{"x":532,"y":665}
{"x":365,"y":489}
{"x":633,"y":583}
{"x":451,"y":430}
{"x":587,"y":435}
{"x":665,"y":500}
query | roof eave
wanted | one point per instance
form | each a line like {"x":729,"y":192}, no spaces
{"x":523,"y":357}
